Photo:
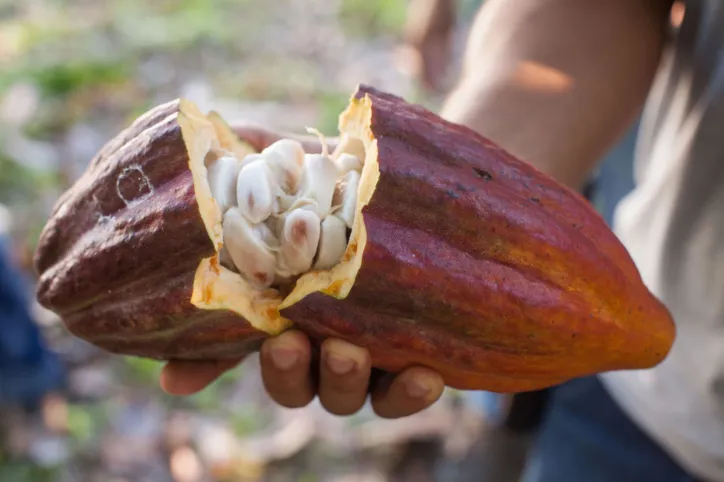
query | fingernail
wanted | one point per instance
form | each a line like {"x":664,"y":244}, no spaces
{"x":418,"y":388}
{"x":284,"y":358}
{"x":339,"y":364}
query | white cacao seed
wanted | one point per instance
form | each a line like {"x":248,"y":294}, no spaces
{"x":286,"y":174}
{"x":290,"y":149}
{"x":226,"y":261}
{"x":285,"y":158}
{"x":254,"y":259}
{"x":221,"y":175}
{"x":299,"y":241}
{"x":255,"y":191}
{"x":347,"y":162}
{"x":332,"y":243}
{"x":345,"y":199}
{"x":316,"y":187}
{"x":266,"y":234}
{"x":249,"y":158}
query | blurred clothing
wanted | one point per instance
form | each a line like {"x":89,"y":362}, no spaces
{"x":614,"y":178}
{"x":673,"y":225}
{"x":587,"y":437}
{"x":498,"y":455}
{"x":28,"y":370}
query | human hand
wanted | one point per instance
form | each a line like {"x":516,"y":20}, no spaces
{"x":294,"y":373}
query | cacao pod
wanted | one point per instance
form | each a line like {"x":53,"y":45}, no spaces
{"x":461,"y":258}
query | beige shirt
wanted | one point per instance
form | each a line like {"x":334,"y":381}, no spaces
{"x":673,"y":225}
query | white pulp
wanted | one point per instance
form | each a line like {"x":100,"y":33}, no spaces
{"x":284,"y":211}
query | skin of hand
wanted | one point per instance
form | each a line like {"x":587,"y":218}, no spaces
{"x":341,"y":375}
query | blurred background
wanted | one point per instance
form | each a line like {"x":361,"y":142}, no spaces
{"x":73,"y":73}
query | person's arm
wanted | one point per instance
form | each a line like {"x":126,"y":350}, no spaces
{"x":555,"y":82}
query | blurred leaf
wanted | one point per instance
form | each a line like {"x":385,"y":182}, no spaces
{"x":309,"y":477}
{"x":180,"y":25}
{"x":144,"y":370}
{"x":19,"y":471}
{"x":58,"y":81}
{"x":8,"y":8}
{"x":245,"y":423}
{"x":64,"y":79}
{"x":81,"y":423}
{"x":19,"y":183}
{"x":52,"y":118}
{"x":211,"y":398}
{"x":40,"y":34}
{"x":331,"y":106}
{"x":9,"y":78}
{"x":373,"y":17}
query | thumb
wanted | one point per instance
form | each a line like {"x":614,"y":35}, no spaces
{"x":180,"y":377}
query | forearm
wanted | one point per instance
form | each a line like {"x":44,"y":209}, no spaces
{"x":555,"y":82}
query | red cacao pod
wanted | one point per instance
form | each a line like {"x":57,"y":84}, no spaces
{"x":461,"y":258}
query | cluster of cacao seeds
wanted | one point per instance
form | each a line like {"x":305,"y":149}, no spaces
{"x":285,"y":212}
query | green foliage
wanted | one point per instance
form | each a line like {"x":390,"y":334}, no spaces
{"x":20,"y":471}
{"x":19,"y":183}
{"x":272,"y":79}
{"x":373,"y":17}
{"x":309,"y":477}
{"x":211,"y":398}
{"x":331,"y":106}
{"x":64,"y":79}
{"x":143,"y":370}
{"x":58,"y":82}
{"x":15,"y":180}
{"x":86,"y":421}
{"x":245,"y":422}
{"x":176,"y":25}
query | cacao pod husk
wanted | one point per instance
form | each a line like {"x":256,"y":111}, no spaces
{"x":462,"y":258}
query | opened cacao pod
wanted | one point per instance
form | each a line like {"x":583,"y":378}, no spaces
{"x":428,"y":244}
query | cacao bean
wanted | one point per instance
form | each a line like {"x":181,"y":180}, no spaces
{"x":268,"y":236}
{"x":226,"y":261}
{"x":316,"y":187}
{"x":253,"y":157}
{"x":221,"y":175}
{"x":346,"y":197}
{"x":347,"y":162}
{"x":299,"y":241}
{"x":332,"y":243}
{"x":288,"y":148}
{"x":255,"y":191}
{"x":285,"y":158}
{"x":254,"y":259}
